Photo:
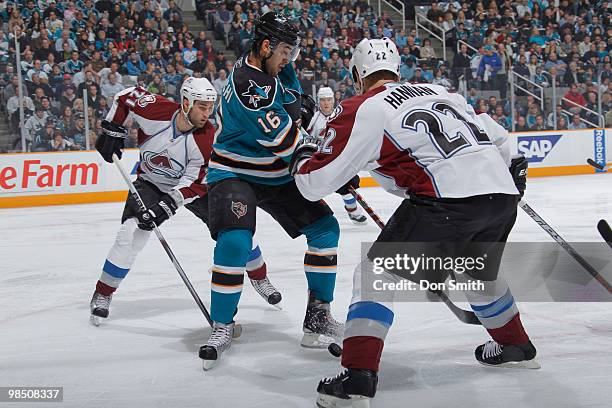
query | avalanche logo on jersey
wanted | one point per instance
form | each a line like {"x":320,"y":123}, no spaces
{"x":335,"y":113}
{"x":255,"y":93}
{"x":536,"y":148}
{"x":162,"y":164}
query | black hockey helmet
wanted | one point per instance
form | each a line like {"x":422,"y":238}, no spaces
{"x":277,"y":28}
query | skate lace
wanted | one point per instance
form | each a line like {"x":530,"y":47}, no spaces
{"x":342,"y":374}
{"x":219,"y":336}
{"x":491,"y":349}
{"x":263,"y":287}
{"x":102,"y":301}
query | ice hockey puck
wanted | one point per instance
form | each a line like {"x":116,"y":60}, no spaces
{"x":335,"y":350}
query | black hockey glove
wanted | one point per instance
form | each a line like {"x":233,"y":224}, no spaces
{"x":518,"y":170}
{"x":354,"y":182}
{"x":157,"y":213}
{"x":308,"y":110}
{"x":111,"y":140}
{"x":305,"y":150}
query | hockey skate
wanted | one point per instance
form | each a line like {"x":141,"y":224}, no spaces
{"x":267,"y":291}
{"x":351,"y":388}
{"x":320,"y":328}
{"x":356,"y":216}
{"x":99,"y":308}
{"x":220,"y":340}
{"x":493,"y":354}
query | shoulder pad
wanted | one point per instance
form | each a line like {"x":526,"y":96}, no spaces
{"x":255,"y":90}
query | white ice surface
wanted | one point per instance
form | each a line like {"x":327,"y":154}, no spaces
{"x":145,"y":355}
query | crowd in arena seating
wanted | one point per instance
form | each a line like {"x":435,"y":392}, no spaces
{"x":77,"y":54}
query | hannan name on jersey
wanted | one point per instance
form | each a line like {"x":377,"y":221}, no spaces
{"x":404,"y":92}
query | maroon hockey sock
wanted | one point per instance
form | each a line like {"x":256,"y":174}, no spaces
{"x":362,"y":352}
{"x":104,"y":289}
{"x":259,"y":273}
{"x":512,"y":332}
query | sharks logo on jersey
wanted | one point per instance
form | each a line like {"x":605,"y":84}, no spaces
{"x":256,"y":93}
{"x":162,"y":164}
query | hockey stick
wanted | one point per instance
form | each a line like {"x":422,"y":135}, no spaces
{"x":465,"y":316}
{"x":606,"y":232}
{"x":163,"y":241}
{"x":597,"y":166}
{"x":565,"y":245}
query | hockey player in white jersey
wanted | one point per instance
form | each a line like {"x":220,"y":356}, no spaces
{"x":175,"y":143}
{"x":325,"y":105}
{"x":459,"y":183}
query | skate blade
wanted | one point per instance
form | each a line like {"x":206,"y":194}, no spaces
{"x":356,"y":222}
{"x":277,"y":306}
{"x":527,"y":364}
{"x":316,"y":341}
{"x":356,"y":401}
{"x":237,"y":331}
{"x":95,"y":320}
{"x":209,"y":364}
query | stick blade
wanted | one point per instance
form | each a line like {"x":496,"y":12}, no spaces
{"x":592,"y":163}
{"x":606,"y":232}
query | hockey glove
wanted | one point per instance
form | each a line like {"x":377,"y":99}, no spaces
{"x":518,"y":170}
{"x":111,"y":140}
{"x":354,"y":182}
{"x":157,"y":213}
{"x":308,"y":110}
{"x":305,"y":150}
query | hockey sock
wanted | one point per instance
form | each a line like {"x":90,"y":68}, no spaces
{"x":230,"y":258}
{"x":367,"y":325}
{"x":497,"y":311}
{"x":349,"y":202}
{"x":256,"y":267}
{"x":129,"y":242}
{"x":512,"y":332}
{"x":320,"y":261}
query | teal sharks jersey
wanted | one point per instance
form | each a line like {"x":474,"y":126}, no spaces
{"x":256,"y":135}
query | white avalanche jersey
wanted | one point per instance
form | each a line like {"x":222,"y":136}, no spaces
{"x":317,"y":124}
{"x":175,"y":162}
{"x":416,"y":140}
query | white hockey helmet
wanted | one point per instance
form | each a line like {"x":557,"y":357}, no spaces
{"x":197,"y":89}
{"x":325,"y":92}
{"x":372,"y":56}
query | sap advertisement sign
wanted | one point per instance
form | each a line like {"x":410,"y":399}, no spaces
{"x":536,"y":148}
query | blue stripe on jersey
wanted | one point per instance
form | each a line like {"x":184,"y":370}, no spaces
{"x":114,"y":271}
{"x":496,"y":307}
{"x":255,"y":253}
{"x":372,"y":311}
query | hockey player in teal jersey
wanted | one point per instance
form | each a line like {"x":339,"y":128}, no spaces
{"x":249,"y":168}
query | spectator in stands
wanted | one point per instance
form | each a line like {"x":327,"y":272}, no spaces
{"x":577,"y":123}
{"x":550,"y":120}
{"x":135,"y":66}
{"x":43,"y":138}
{"x":90,"y":80}
{"x":76,"y":135}
{"x":220,"y":82}
{"x":68,"y":97}
{"x":59,"y":143}
{"x":93,"y":96}
{"x":427,"y":51}
{"x":521,"y":125}
{"x":35,"y":122}
{"x":461,"y":65}
{"x":573,"y":100}
{"x":112,"y":87}
{"x":539,"y":123}
{"x":489,"y":65}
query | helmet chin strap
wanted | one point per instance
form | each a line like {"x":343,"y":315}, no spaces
{"x":186,"y":116}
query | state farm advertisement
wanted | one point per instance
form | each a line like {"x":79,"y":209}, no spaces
{"x":61,"y":173}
